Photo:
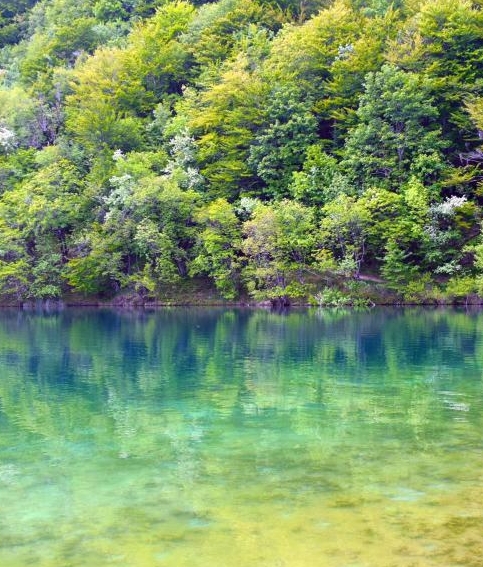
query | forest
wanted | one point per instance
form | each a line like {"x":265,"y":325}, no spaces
{"x":295,"y":150}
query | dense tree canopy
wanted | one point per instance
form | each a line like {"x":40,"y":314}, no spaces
{"x":272,"y":148}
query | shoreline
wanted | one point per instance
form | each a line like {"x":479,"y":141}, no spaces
{"x":60,"y":304}
{"x":199,"y":293}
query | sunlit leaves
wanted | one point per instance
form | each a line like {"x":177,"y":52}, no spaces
{"x":224,"y":120}
{"x":218,"y":245}
{"x":278,"y":241}
{"x":148,"y":132}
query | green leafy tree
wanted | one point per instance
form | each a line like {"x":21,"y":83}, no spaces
{"x":396,"y":270}
{"x":218,"y":246}
{"x":13,"y":20}
{"x":278,"y":149}
{"x":100,"y":111}
{"x":224,"y":120}
{"x":474,"y":107}
{"x":16,"y":167}
{"x":396,"y":125}
{"x":97,"y":265}
{"x":278,"y":243}
{"x":147,"y":224}
{"x":216,"y":31}
{"x":378,"y":7}
{"x":37,"y":220}
{"x":320,"y":179}
{"x":450,"y":224}
{"x":344,"y":231}
{"x":303,"y":55}
{"x":324,"y":60}
{"x":362,"y":54}
{"x":443,"y":42}
{"x":105,"y":10}
{"x":155,"y":57}
{"x":461,"y":287}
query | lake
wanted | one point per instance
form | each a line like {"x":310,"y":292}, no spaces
{"x":232,"y":438}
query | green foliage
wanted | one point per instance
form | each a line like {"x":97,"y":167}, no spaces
{"x":18,"y":116}
{"x":36,"y":220}
{"x":278,"y":240}
{"x":303,"y":55}
{"x":224,"y":120}
{"x":449,"y":224}
{"x":219,"y":27}
{"x":320,"y":180}
{"x":47,"y":271}
{"x":462,"y":287}
{"x":396,"y":270}
{"x":16,"y":167}
{"x":217,"y":247}
{"x":105,"y":10}
{"x":276,"y":152}
{"x":97,"y":269}
{"x":474,"y":107}
{"x":149,"y":217}
{"x":154,"y":55}
{"x":443,"y":42}
{"x":420,"y":291}
{"x":344,"y":231}
{"x":14,"y":278}
{"x":263,"y":145}
{"x":98,"y":111}
{"x":333,"y":297}
{"x":377,"y":7}
{"x":396,"y":126}
{"x":12,"y":20}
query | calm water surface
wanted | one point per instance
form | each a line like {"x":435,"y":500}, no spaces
{"x":235,"y":438}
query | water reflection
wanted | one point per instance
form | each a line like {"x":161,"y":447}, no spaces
{"x":238,"y":437}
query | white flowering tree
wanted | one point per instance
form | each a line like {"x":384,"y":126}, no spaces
{"x":7,"y":139}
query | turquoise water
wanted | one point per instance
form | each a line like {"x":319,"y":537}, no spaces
{"x":190,"y":437}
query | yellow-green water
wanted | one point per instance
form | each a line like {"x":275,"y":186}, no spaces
{"x":240,"y":438}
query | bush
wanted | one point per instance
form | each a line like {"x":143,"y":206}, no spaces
{"x":332,"y":297}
